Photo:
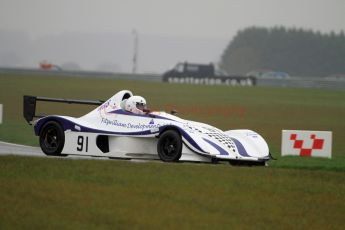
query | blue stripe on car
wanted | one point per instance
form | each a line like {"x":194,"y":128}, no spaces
{"x":190,"y":140}
{"x":241,"y":150}
{"x":220,"y":149}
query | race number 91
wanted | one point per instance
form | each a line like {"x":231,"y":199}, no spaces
{"x":82,"y":143}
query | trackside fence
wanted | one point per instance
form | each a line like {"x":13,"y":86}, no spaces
{"x":293,"y":82}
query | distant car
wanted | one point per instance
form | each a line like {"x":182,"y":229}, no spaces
{"x":190,"y":70}
{"x":268,"y":74}
{"x":45,"y":65}
{"x":340,"y":77}
{"x":112,"y":130}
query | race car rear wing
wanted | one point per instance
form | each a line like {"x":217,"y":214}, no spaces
{"x":29,"y":105}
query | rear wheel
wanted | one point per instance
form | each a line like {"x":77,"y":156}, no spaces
{"x":169,"y":146}
{"x":52,"y":138}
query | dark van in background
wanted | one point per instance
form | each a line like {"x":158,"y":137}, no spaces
{"x":191,"y":73}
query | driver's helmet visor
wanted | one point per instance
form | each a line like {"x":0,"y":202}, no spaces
{"x":141,"y":106}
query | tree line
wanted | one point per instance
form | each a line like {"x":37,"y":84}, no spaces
{"x":298,"y":52}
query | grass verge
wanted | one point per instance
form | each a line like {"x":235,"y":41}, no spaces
{"x":60,"y":193}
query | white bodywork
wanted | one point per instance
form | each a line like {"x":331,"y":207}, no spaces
{"x":136,"y":136}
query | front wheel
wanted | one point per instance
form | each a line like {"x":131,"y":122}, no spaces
{"x":169,"y":146}
{"x":52,"y":138}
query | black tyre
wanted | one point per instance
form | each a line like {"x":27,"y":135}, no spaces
{"x":169,"y":146}
{"x":52,"y":138}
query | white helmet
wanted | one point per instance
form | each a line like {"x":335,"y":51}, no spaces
{"x":136,"y":104}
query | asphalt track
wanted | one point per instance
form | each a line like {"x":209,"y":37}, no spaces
{"x":7,"y":149}
{"x":22,"y":150}
{"x":29,"y":151}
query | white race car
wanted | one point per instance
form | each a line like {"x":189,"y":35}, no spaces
{"x":121,"y":127}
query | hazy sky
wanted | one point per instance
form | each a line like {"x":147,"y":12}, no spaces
{"x":187,"y":18}
{"x":95,"y":33}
